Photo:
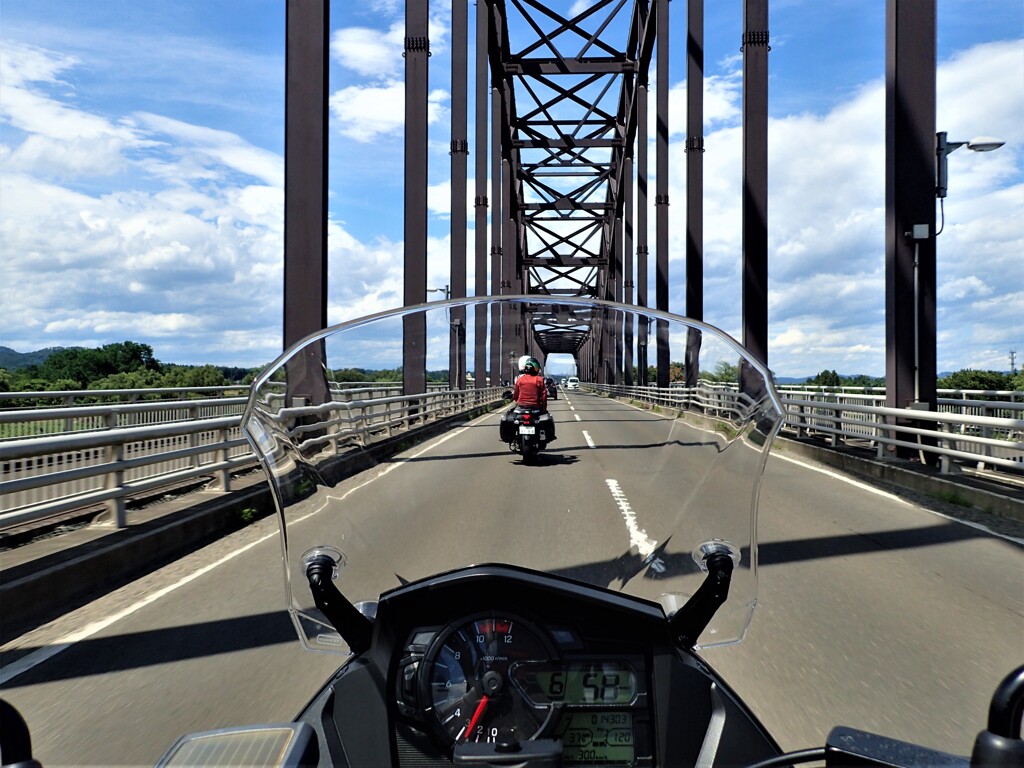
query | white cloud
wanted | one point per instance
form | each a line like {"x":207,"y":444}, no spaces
{"x":370,"y":52}
{"x":169,"y":258}
{"x":378,"y":54}
{"x":722,"y":102}
{"x":365,"y":113}
{"x":217,"y":148}
{"x":962,"y":288}
{"x":114,"y":324}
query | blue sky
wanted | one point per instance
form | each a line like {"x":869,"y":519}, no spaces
{"x":141,"y":168}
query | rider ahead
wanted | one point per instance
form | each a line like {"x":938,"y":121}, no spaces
{"x":530,"y":390}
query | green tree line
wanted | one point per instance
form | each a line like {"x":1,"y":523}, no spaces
{"x":963,"y":379}
{"x":122,"y":365}
{"x":131,"y":365}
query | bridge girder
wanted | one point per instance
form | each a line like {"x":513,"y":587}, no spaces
{"x":569,"y":89}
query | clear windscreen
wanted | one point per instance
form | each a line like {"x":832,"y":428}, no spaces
{"x":380,"y":438}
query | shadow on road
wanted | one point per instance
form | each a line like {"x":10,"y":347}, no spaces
{"x":116,"y":653}
{"x":661,"y":564}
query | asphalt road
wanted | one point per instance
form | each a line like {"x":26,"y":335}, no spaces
{"x":873,"y":612}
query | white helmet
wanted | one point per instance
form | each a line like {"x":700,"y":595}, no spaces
{"x":528,"y":362}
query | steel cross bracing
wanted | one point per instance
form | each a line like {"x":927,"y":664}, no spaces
{"x":569,"y":87}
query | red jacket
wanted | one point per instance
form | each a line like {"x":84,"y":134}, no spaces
{"x":530,"y":391}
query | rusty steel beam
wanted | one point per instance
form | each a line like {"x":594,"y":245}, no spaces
{"x":755,"y":178}
{"x":694,"y":183}
{"x":305,"y":181}
{"x":307,"y":28}
{"x":460,"y":158}
{"x":661,"y":285}
{"x":910,"y":336}
{"x":417,"y":53}
{"x":643,"y":329}
{"x":481,"y":86}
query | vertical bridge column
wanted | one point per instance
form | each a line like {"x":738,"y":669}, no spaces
{"x":694,"y":183}
{"x":417,"y":52}
{"x":459,"y":154}
{"x":480,"y":202}
{"x":305,"y":191}
{"x":910,"y":57}
{"x":755,"y":178}
{"x":661,"y":196}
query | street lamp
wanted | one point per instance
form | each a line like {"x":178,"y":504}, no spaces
{"x":942,"y":149}
{"x":446,"y":291}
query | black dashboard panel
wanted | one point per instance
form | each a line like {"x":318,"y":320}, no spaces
{"x":485,"y":658}
{"x":512,"y":656}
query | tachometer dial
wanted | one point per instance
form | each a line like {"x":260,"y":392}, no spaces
{"x":468,"y":681}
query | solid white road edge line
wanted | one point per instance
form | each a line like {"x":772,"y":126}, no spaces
{"x":35,"y":658}
{"x":893,"y":497}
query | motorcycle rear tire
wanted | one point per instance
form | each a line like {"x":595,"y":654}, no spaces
{"x":529,"y":450}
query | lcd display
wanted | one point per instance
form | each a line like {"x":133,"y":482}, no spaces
{"x":597,"y":738}
{"x":577,"y":683}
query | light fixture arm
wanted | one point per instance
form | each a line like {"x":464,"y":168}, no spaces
{"x":942,"y":149}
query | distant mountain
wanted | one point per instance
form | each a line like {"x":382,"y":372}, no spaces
{"x":844,"y":376}
{"x":792,"y":379}
{"x":13,"y":361}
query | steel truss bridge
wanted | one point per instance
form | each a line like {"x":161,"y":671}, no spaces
{"x":561,"y":131}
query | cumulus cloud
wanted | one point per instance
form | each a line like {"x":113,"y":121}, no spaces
{"x":370,"y":52}
{"x":170,"y":256}
{"x":365,"y":113}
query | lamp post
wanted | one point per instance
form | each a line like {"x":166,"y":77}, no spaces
{"x":943,"y":148}
{"x":446,"y":291}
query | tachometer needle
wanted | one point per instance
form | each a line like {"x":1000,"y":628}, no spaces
{"x":476,"y":716}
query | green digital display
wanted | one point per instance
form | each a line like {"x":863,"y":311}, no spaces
{"x":577,"y":683}
{"x":597,"y":738}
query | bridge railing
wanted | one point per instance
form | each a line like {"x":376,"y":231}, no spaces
{"x":988,"y":434}
{"x":35,"y":414}
{"x":985,"y":395}
{"x":49,"y":475}
{"x":37,"y":422}
{"x":103,"y":454}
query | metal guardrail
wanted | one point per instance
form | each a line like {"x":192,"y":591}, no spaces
{"x":137,"y":410}
{"x":986,"y":395}
{"x":38,"y":422}
{"x":49,"y":475}
{"x":988,"y":434}
{"x":70,"y":397}
{"x":85,"y":456}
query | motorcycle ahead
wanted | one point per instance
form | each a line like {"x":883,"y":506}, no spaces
{"x":526,"y":431}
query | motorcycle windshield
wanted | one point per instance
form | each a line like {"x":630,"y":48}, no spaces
{"x":381,"y":441}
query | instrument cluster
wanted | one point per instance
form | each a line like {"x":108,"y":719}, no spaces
{"x":498,"y":678}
